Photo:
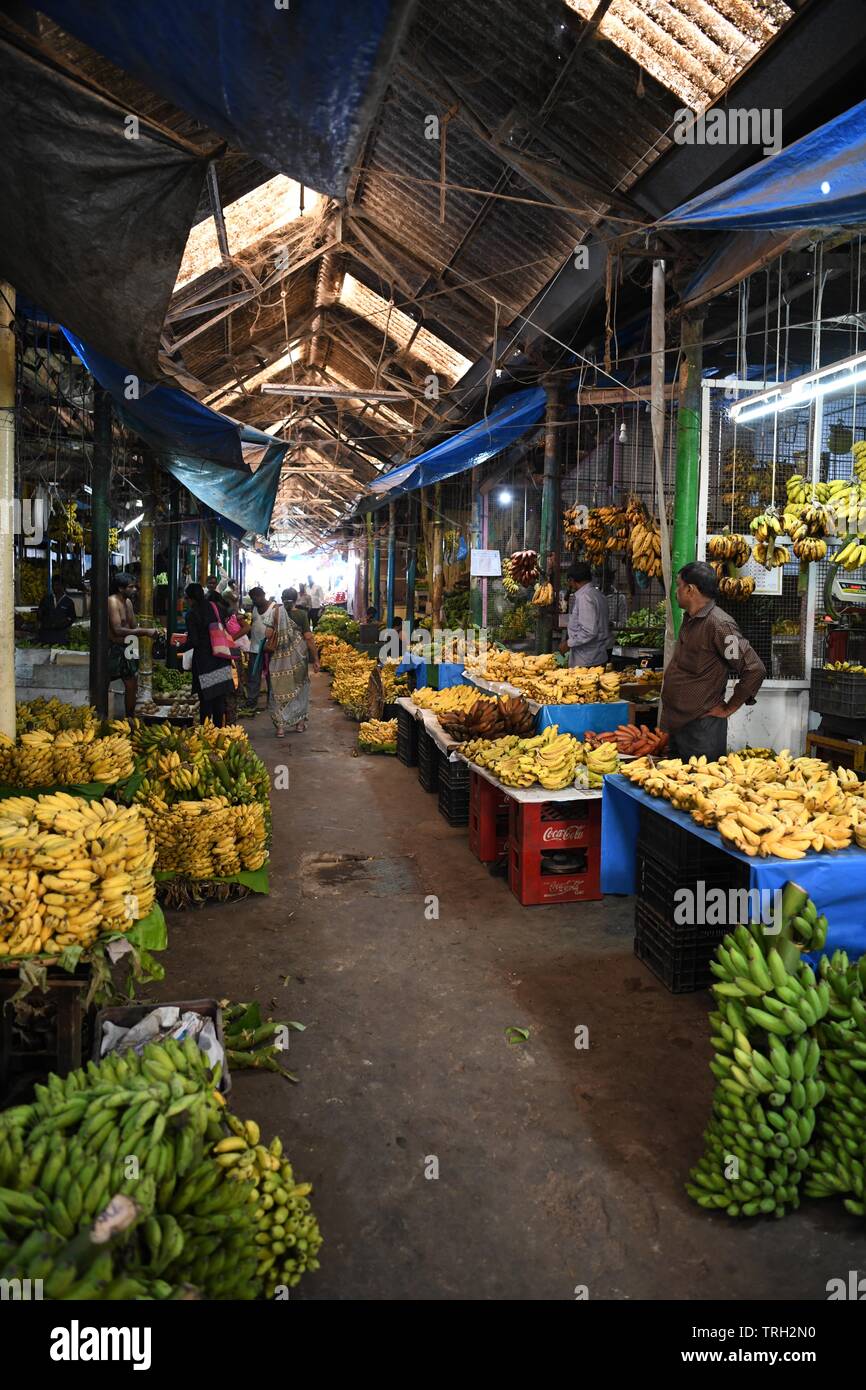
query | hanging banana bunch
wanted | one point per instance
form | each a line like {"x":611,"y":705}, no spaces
{"x":732,"y":547}
{"x":739,"y":588}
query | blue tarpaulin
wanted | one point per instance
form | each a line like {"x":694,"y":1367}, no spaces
{"x":247,"y":499}
{"x":835,"y":882}
{"x":198,"y":446}
{"x":507,"y":423}
{"x":163,"y":415}
{"x":294,"y":83}
{"x":819,"y":181}
{"x":578,"y":719}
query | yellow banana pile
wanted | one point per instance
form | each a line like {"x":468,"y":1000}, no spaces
{"x":352,"y":671}
{"x":378,"y":736}
{"x":845,"y":666}
{"x":768,"y":806}
{"x":67,"y":758}
{"x":53,"y":715}
{"x":510,"y":666}
{"x":207,"y":839}
{"x":551,"y":760}
{"x":539,"y":678}
{"x":70,"y":870}
{"x":455,"y":699}
{"x":859,"y":452}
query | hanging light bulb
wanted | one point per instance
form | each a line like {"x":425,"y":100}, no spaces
{"x":623,"y":433}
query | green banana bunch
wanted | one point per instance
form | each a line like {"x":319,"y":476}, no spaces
{"x":839,"y":1154}
{"x":767,"y":1059}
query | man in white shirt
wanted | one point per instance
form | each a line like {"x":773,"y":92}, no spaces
{"x":261,"y":608}
{"x":317,"y":599}
{"x":588,"y":622}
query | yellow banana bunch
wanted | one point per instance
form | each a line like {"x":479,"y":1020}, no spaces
{"x":70,"y":870}
{"x":646,"y":547}
{"x":809,"y":549}
{"x":771,"y":558}
{"x":736,"y":588}
{"x":542,"y":595}
{"x":766,"y":527}
{"x":859,"y":452}
{"x":852,"y":555}
{"x":845,"y":666}
{"x":729,"y":547}
{"x":453,"y":700}
{"x":207,"y":839}
{"x":549,"y":759}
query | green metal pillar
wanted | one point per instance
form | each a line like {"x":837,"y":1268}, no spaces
{"x":548,"y":549}
{"x":411,"y":562}
{"x":683,"y":545}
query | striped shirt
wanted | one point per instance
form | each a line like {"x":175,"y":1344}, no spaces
{"x":709,"y":652}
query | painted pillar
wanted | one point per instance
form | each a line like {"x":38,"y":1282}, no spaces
{"x":392,"y":560}
{"x":688,"y":449}
{"x":548,"y":548}
{"x":411,"y":563}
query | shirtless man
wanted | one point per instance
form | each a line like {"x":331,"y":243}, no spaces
{"x":122,"y":650}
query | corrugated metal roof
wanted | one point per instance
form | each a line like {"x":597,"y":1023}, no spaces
{"x":696,"y":48}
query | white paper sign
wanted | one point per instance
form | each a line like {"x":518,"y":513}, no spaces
{"x":485,"y":563}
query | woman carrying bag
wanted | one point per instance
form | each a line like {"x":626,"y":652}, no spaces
{"x":211,"y":650}
{"x":291,"y":649}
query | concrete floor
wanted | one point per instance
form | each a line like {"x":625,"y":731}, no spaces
{"x":557,"y":1167}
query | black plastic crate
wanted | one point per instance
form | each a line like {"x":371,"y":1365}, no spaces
{"x":428,"y":761}
{"x":839,"y":692}
{"x":675,"y":848}
{"x":678,"y":955}
{"x":657,"y":884}
{"x":453,"y":790}
{"x":407,"y":737}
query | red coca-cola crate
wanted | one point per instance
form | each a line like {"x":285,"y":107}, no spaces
{"x":531,"y":880}
{"x":544,"y":825}
{"x":488,"y":819}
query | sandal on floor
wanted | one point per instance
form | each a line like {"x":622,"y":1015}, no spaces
{"x":281,"y":733}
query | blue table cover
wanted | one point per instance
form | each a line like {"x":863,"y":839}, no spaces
{"x":577,"y":719}
{"x":836,"y":882}
{"x":450,"y":672}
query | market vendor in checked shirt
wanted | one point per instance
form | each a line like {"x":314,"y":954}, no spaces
{"x":709,"y":652}
{"x":588,"y":622}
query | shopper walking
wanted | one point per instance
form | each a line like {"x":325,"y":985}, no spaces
{"x":258,"y":655}
{"x":588,"y":635}
{"x":317,"y":599}
{"x":292,"y":650}
{"x":211,"y":660}
{"x":709,"y":652}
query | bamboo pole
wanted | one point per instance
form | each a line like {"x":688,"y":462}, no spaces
{"x":437,"y":578}
{"x":145,"y":593}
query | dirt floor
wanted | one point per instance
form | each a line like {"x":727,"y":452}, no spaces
{"x":557,"y":1167}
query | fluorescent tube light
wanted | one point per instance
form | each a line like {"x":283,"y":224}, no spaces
{"x":841,"y":376}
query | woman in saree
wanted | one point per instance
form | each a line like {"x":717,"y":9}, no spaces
{"x":292,"y":650}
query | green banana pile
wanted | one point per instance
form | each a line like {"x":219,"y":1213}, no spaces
{"x":766,"y":1065}
{"x":142,"y":1132}
{"x":838,"y":1159}
{"x":288,"y":1237}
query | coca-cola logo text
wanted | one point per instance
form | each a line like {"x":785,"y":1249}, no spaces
{"x":561,"y":834}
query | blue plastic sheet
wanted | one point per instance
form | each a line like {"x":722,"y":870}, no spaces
{"x":198,"y":446}
{"x":164,"y":416}
{"x":819,"y":181}
{"x":510,"y":420}
{"x":293,"y":83}
{"x":836,"y":882}
{"x":577,"y":719}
